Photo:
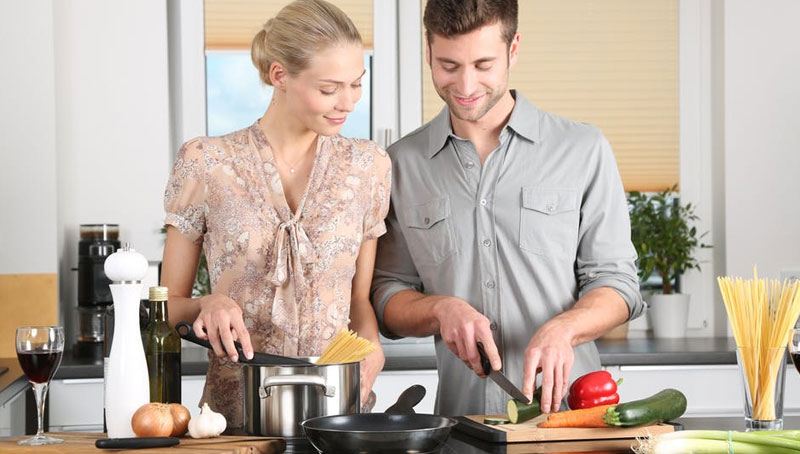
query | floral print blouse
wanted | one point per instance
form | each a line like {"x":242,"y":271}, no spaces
{"x":291,"y":273}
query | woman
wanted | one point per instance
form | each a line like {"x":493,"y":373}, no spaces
{"x":286,"y":211}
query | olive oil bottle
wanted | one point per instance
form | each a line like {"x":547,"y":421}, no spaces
{"x":162,"y":349}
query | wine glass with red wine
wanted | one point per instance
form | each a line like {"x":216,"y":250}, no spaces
{"x":39,"y":350}
{"x":794,"y":348}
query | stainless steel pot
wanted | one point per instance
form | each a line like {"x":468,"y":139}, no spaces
{"x":279,"y":398}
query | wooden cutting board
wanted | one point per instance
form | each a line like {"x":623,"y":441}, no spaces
{"x":81,"y":442}
{"x":528,"y":432}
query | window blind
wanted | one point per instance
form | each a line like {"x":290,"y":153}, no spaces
{"x":612,"y":63}
{"x":231,"y":24}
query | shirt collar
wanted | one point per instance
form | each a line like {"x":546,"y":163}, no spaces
{"x":524,"y":118}
{"x":524,"y":121}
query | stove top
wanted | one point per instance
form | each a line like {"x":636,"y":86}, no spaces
{"x":303,"y":446}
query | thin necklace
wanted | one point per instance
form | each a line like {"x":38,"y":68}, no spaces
{"x":293,"y":165}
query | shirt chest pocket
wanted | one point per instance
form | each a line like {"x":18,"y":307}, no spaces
{"x":549,"y":219}
{"x":429,"y":232}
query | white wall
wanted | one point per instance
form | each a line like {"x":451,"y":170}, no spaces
{"x":762,"y":136}
{"x":112,"y":125}
{"x":27,"y":143}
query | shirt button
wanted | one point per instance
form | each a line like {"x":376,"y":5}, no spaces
{"x":427,"y":221}
{"x":490,"y":284}
{"x":487,"y":242}
{"x":493,"y":326}
{"x":483,"y":202}
{"x":550,"y":207}
{"x":469,"y":164}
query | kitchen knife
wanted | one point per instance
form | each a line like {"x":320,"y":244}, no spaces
{"x":499,"y":378}
{"x":136,"y":442}
{"x":185,"y":330}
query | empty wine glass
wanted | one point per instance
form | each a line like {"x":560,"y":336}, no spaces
{"x":39,"y":350}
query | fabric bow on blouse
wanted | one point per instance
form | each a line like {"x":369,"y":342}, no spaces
{"x":293,"y":250}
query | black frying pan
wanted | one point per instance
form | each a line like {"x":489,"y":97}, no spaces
{"x":397,"y":431}
{"x":184,"y":330}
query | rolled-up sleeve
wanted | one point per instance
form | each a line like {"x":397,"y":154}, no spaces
{"x":394,"y":270}
{"x":606,"y":256}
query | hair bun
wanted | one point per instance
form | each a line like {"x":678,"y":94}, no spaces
{"x":268,"y":25}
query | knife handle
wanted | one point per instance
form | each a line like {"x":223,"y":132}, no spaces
{"x":487,"y":366}
{"x":136,"y":442}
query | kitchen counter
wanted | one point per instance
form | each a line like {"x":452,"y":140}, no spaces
{"x":420,"y":356}
{"x":463,"y":444}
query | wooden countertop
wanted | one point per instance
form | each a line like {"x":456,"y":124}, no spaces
{"x":82,"y":442}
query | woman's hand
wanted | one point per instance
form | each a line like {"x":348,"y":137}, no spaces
{"x":371,"y":366}
{"x":220,"y":321}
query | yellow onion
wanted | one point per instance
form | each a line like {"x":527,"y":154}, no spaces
{"x":180,"y":419}
{"x":152,"y":420}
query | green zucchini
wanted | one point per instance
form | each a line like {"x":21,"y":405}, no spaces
{"x":663,"y":406}
{"x":495,"y":420}
{"x":520,"y":412}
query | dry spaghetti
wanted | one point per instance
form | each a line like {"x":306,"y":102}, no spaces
{"x":346,"y":347}
{"x":762,"y":314}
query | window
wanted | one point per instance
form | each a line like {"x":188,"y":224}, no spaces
{"x":236,"y":97}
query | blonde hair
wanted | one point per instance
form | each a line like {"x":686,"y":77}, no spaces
{"x":300,"y":30}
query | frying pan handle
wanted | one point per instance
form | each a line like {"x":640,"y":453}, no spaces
{"x":295,"y":380}
{"x":407,"y":400}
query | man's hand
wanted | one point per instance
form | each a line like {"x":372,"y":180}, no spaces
{"x":549,"y":351}
{"x":461,"y":328}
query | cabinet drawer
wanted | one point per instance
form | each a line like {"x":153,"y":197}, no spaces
{"x":711,"y":390}
{"x":76,"y":402}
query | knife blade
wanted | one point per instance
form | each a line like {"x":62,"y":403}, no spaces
{"x":498,"y":377}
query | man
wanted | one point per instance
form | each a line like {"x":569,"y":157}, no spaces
{"x":509,"y":225}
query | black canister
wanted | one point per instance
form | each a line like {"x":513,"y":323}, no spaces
{"x":97,"y":242}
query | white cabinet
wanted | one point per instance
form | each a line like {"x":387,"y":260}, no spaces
{"x":76,"y":405}
{"x":10,"y":422}
{"x":191,"y":392}
{"x":390,"y":384}
{"x":711,"y":390}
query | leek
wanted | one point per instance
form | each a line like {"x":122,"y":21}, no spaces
{"x":722,"y":442}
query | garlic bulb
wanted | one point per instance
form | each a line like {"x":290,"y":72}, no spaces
{"x":207,"y":424}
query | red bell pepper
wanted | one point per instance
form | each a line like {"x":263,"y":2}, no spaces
{"x":593,"y":389}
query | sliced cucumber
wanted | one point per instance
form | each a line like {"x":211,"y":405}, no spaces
{"x":495,"y":420}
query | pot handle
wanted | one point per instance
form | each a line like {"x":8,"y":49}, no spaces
{"x":295,"y":380}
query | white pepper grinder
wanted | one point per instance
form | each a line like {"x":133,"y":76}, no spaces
{"x":127,"y":386}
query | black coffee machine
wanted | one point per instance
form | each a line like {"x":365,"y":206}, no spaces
{"x":97,"y":242}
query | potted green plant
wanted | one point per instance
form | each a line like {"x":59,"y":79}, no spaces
{"x":665,"y":240}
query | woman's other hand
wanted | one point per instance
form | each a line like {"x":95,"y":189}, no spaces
{"x":220,"y":321}
{"x":371,"y":366}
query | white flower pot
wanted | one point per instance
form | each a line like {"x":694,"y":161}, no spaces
{"x":669,"y":315}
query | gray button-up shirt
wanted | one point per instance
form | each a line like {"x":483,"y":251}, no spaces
{"x":521,"y":237}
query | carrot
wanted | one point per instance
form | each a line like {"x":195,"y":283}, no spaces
{"x":586,"y":417}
